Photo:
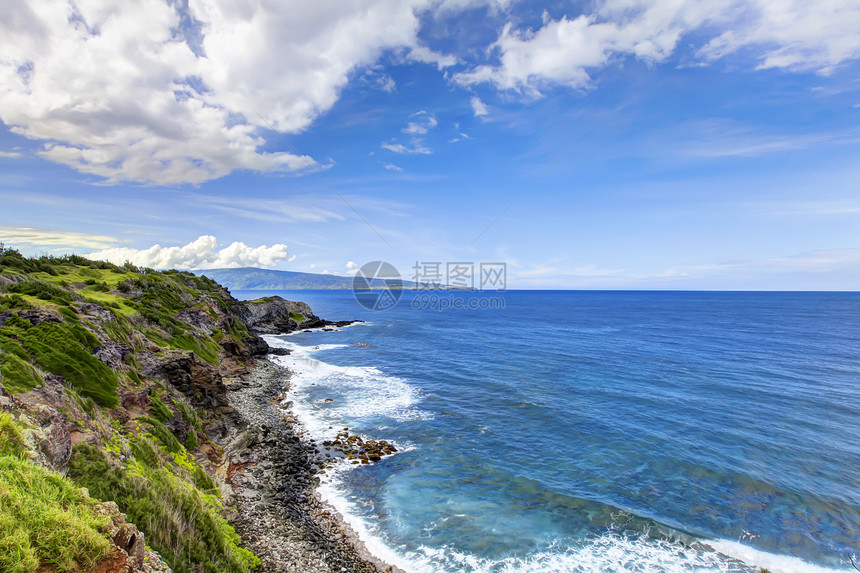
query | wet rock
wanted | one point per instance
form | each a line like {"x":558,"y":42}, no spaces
{"x":256,"y":346}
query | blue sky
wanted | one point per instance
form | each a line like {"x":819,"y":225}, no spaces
{"x":611,"y":144}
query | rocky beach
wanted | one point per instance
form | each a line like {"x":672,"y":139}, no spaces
{"x":272,"y":473}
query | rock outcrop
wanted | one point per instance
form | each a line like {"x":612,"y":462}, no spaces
{"x":275,"y":315}
{"x":129,"y":554}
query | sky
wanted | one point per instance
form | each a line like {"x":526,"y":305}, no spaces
{"x":607,"y":144}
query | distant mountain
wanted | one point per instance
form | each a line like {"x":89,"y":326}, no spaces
{"x":250,"y":278}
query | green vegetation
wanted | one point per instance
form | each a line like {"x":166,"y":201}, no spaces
{"x":143,"y":463}
{"x":298,"y":317}
{"x":161,"y":412}
{"x":182,"y":523}
{"x":62,"y":348}
{"x":13,"y":302}
{"x":16,"y":374}
{"x":45,"y":521}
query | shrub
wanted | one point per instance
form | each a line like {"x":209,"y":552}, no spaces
{"x":42,"y":290}
{"x":65,"y":349}
{"x":13,"y":302}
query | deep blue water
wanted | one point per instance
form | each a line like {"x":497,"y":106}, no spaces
{"x":595,"y":431}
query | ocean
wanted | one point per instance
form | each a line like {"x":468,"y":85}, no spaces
{"x":592,"y":431}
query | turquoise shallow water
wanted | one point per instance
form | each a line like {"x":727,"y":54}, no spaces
{"x":595,"y":431}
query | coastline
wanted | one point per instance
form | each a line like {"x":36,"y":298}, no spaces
{"x":271,"y":477}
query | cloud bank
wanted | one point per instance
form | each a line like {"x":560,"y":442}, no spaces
{"x":169,"y":92}
{"x":793,"y":35}
{"x":45,"y":237}
{"x":202,"y":253}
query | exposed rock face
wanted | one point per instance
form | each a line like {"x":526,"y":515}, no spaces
{"x":34,"y":316}
{"x":250,"y":346}
{"x":47,"y":431}
{"x":112,"y":353}
{"x":274,"y":315}
{"x":255,"y":345}
{"x":196,"y":318}
{"x":95,"y":313}
{"x":271,"y":315}
{"x":130,"y":554}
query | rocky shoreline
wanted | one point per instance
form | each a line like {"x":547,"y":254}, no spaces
{"x":272,"y":475}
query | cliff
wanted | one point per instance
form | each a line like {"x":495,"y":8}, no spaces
{"x":117,"y":380}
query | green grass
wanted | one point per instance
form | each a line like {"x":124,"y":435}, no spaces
{"x":64,"y":348}
{"x":205,"y":349}
{"x":180,"y":522}
{"x":161,"y":412}
{"x":13,"y":302}
{"x":16,"y":374}
{"x":42,"y":291}
{"x":45,"y":520}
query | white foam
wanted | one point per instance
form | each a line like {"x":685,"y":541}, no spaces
{"x":367,"y":392}
{"x":770,"y":561}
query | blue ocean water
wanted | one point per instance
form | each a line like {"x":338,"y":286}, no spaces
{"x":594,"y":431}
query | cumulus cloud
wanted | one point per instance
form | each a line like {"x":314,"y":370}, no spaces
{"x":170,"y":92}
{"x":45,"y":237}
{"x":351,"y":265}
{"x":203,"y":253}
{"x":788,"y":34}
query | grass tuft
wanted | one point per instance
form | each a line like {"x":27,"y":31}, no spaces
{"x":45,"y":520}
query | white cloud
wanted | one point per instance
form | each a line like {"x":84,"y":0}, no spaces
{"x":421,"y":127}
{"x":10,"y":154}
{"x":479,"y":107}
{"x":386,"y":83}
{"x":423,"y":124}
{"x":417,"y":147}
{"x":169,"y":92}
{"x":202,"y":253}
{"x":789,"y":34}
{"x":427,"y":56}
{"x":43,"y":237}
{"x":392,"y":167}
{"x":351,"y":265}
